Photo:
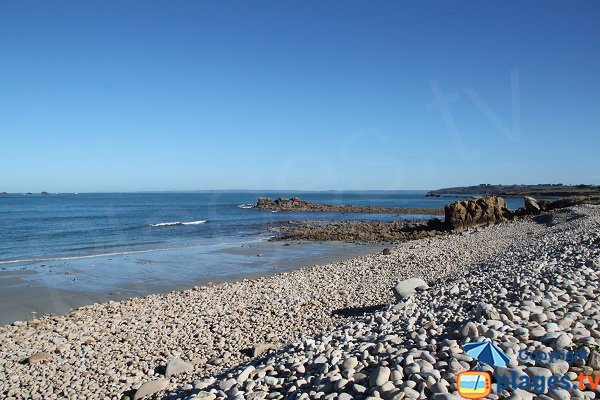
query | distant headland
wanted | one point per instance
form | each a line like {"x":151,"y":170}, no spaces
{"x":541,"y":190}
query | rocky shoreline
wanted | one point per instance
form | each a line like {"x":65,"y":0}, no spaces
{"x":332,"y":330}
{"x":358,"y":231}
{"x":296,"y":205}
{"x":540,"y":295}
{"x":458,"y":216}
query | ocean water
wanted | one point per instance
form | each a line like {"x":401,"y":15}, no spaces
{"x":36,"y":228}
{"x":63,"y":251}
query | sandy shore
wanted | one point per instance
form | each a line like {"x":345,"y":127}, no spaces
{"x":110,"y":350}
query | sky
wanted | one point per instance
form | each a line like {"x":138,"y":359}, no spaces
{"x":307,"y":95}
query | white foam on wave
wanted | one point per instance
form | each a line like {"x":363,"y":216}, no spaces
{"x":246,"y":206}
{"x":178,"y":223}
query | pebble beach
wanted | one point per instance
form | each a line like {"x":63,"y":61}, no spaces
{"x":335,"y":331}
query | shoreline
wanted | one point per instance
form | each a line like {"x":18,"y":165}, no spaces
{"x":122,"y":345}
{"x":28,"y":290}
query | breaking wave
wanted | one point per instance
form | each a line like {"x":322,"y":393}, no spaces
{"x":161,"y":224}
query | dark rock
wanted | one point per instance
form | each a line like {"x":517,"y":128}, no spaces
{"x":572,"y":201}
{"x":387,"y":252}
{"x":296,"y":205}
{"x":355,"y":231}
{"x":264,"y":202}
{"x":532,"y":206}
{"x":435,"y":223}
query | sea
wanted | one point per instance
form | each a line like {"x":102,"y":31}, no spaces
{"x":36,"y":227}
{"x":131,"y":244}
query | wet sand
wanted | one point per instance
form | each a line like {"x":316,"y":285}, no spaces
{"x":57,"y":287}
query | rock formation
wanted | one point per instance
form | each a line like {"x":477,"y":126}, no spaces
{"x":296,"y":205}
{"x":482,"y":211}
{"x":532,"y":206}
{"x":354,"y":231}
{"x":294,"y":202}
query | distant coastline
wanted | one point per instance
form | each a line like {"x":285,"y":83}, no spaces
{"x":541,"y":190}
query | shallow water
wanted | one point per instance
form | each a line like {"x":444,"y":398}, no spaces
{"x":59,"y":286}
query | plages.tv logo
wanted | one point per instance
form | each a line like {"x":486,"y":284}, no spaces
{"x":477,"y":384}
{"x":474,"y":384}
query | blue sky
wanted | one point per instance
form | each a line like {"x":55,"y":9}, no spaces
{"x":174,"y":95}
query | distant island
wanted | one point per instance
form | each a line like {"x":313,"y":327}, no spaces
{"x":541,"y":190}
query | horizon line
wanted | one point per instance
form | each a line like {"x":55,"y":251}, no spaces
{"x":223,"y":190}
{"x":293,"y":190}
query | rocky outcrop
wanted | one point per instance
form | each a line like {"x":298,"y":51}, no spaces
{"x":573,"y":201}
{"x":482,"y":211}
{"x":293,"y":203}
{"x":354,"y":231}
{"x":296,"y":205}
{"x":532,"y":206}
